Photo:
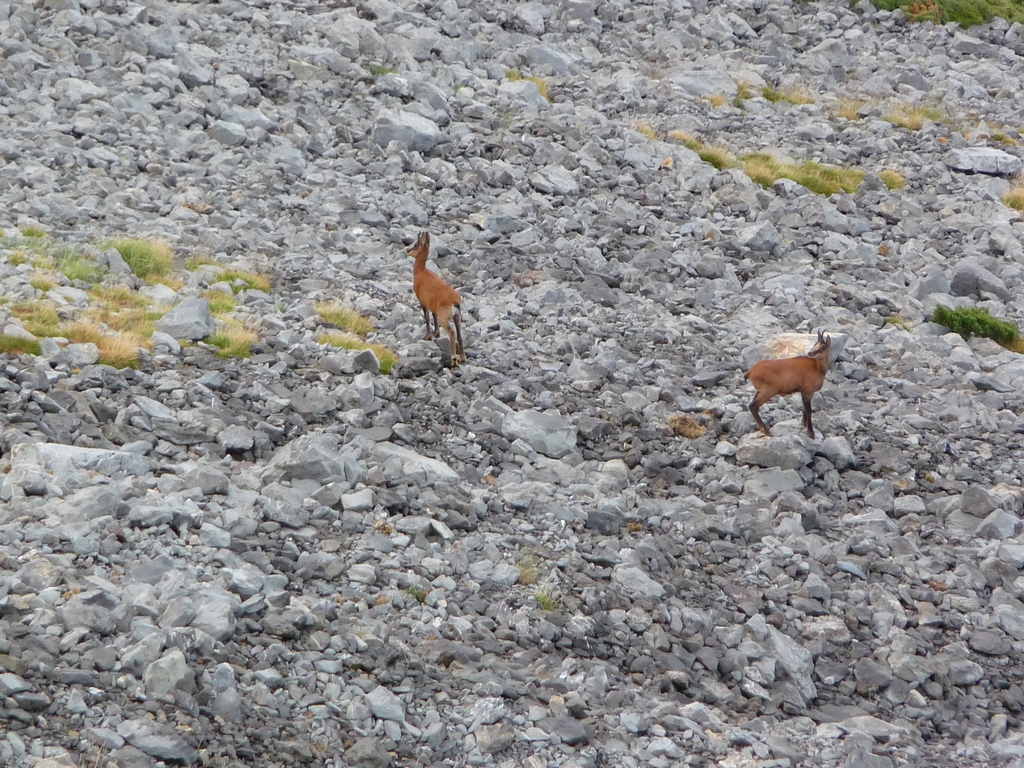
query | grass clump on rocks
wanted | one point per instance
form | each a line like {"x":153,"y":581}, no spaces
{"x":716,"y":156}
{"x":350,"y":341}
{"x":33,"y":232}
{"x":542,"y":87}
{"x":975,"y":321}
{"x":910,"y":117}
{"x":743,"y":93}
{"x":1015,"y":197}
{"x":546,"y":600}
{"x":16,"y":345}
{"x":146,"y":258}
{"x":75,"y":267}
{"x":244,"y":281}
{"x":892,"y":179}
{"x":220,"y":303}
{"x":39,"y":318}
{"x":966,"y":13}
{"x":119,"y":349}
{"x":342,"y":317}
{"x":849,"y":109}
{"x":823,"y":179}
{"x":234,"y":340}
{"x":789,"y":95}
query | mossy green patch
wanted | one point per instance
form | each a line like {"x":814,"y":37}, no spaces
{"x":145,"y":258}
{"x":975,"y":321}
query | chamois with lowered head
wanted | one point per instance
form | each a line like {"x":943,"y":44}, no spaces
{"x":437,"y":298}
{"x":804,"y":374}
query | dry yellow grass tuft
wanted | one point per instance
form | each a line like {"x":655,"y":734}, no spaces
{"x":849,"y":109}
{"x":120,"y":350}
{"x":234,"y":340}
{"x":684,"y":425}
{"x":341,"y":316}
{"x":716,"y":156}
{"x":1015,"y":197}
{"x":385,"y":356}
{"x":789,"y":95}
{"x":645,"y":130}
{"x":892,"y":179}
{"x":911,"y":117}
{"x":823,"y":179}
{"x":716,"y":100}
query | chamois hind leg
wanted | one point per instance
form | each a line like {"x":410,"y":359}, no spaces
{"x":437,"y":328}
{"x":457,"y":316}
{"x":445,"y":315}
{"x":755,"y":406}
{"x":426,"y":319}
{"x":807,"y":413}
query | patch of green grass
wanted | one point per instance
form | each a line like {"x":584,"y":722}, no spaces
{"x":248,"y":280}
{"x":18,"y":346}
{"x":822,"y":179}
{"x":789,"y":95}
{"x":1015,"y":198}
{"x":17,"y":258}
{"x":385,"y":356}
{"x":39,"y":318}
{"x":910,"y":117}
{"x":966,"y":13}
{"x":716,"y":156}
{"x":743,"y":93}
{"x":75,"y":267}
{"x":892,"y":179}
{"x":343,"y":317}
{"x":1001,"y":138}
{"x":33,"y":232}
{"x":192,"y":263}
{"x":897,"y":320}
{"x":121,"y":309}
{"x":234,"y":340}
{"x":975,"y":321}
{"x":379,"y":69}
{"x":419,"y":594}
{"x":546,"y":599}
{"x":220,"y":303}
{"x":146,"y":258}
{"x":117,"y":297}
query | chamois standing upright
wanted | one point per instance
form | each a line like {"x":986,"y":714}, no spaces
{"x":437,"y":299}
{"x":804,"y":374}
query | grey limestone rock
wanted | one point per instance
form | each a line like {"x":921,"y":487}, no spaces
{"x":189,"y":320}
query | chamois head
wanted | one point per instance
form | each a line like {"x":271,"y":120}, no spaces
{"x":422,"y":245}
{"x":823,"y":344}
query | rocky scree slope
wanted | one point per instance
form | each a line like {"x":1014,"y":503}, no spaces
{"x":293,"y":559}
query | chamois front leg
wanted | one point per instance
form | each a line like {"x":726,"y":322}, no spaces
{"x":426,"y":320}
{"x":807,"y":413}
{"x":457,"y":316}
{"x":755,"y":405}
{"x":437,"y":328}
